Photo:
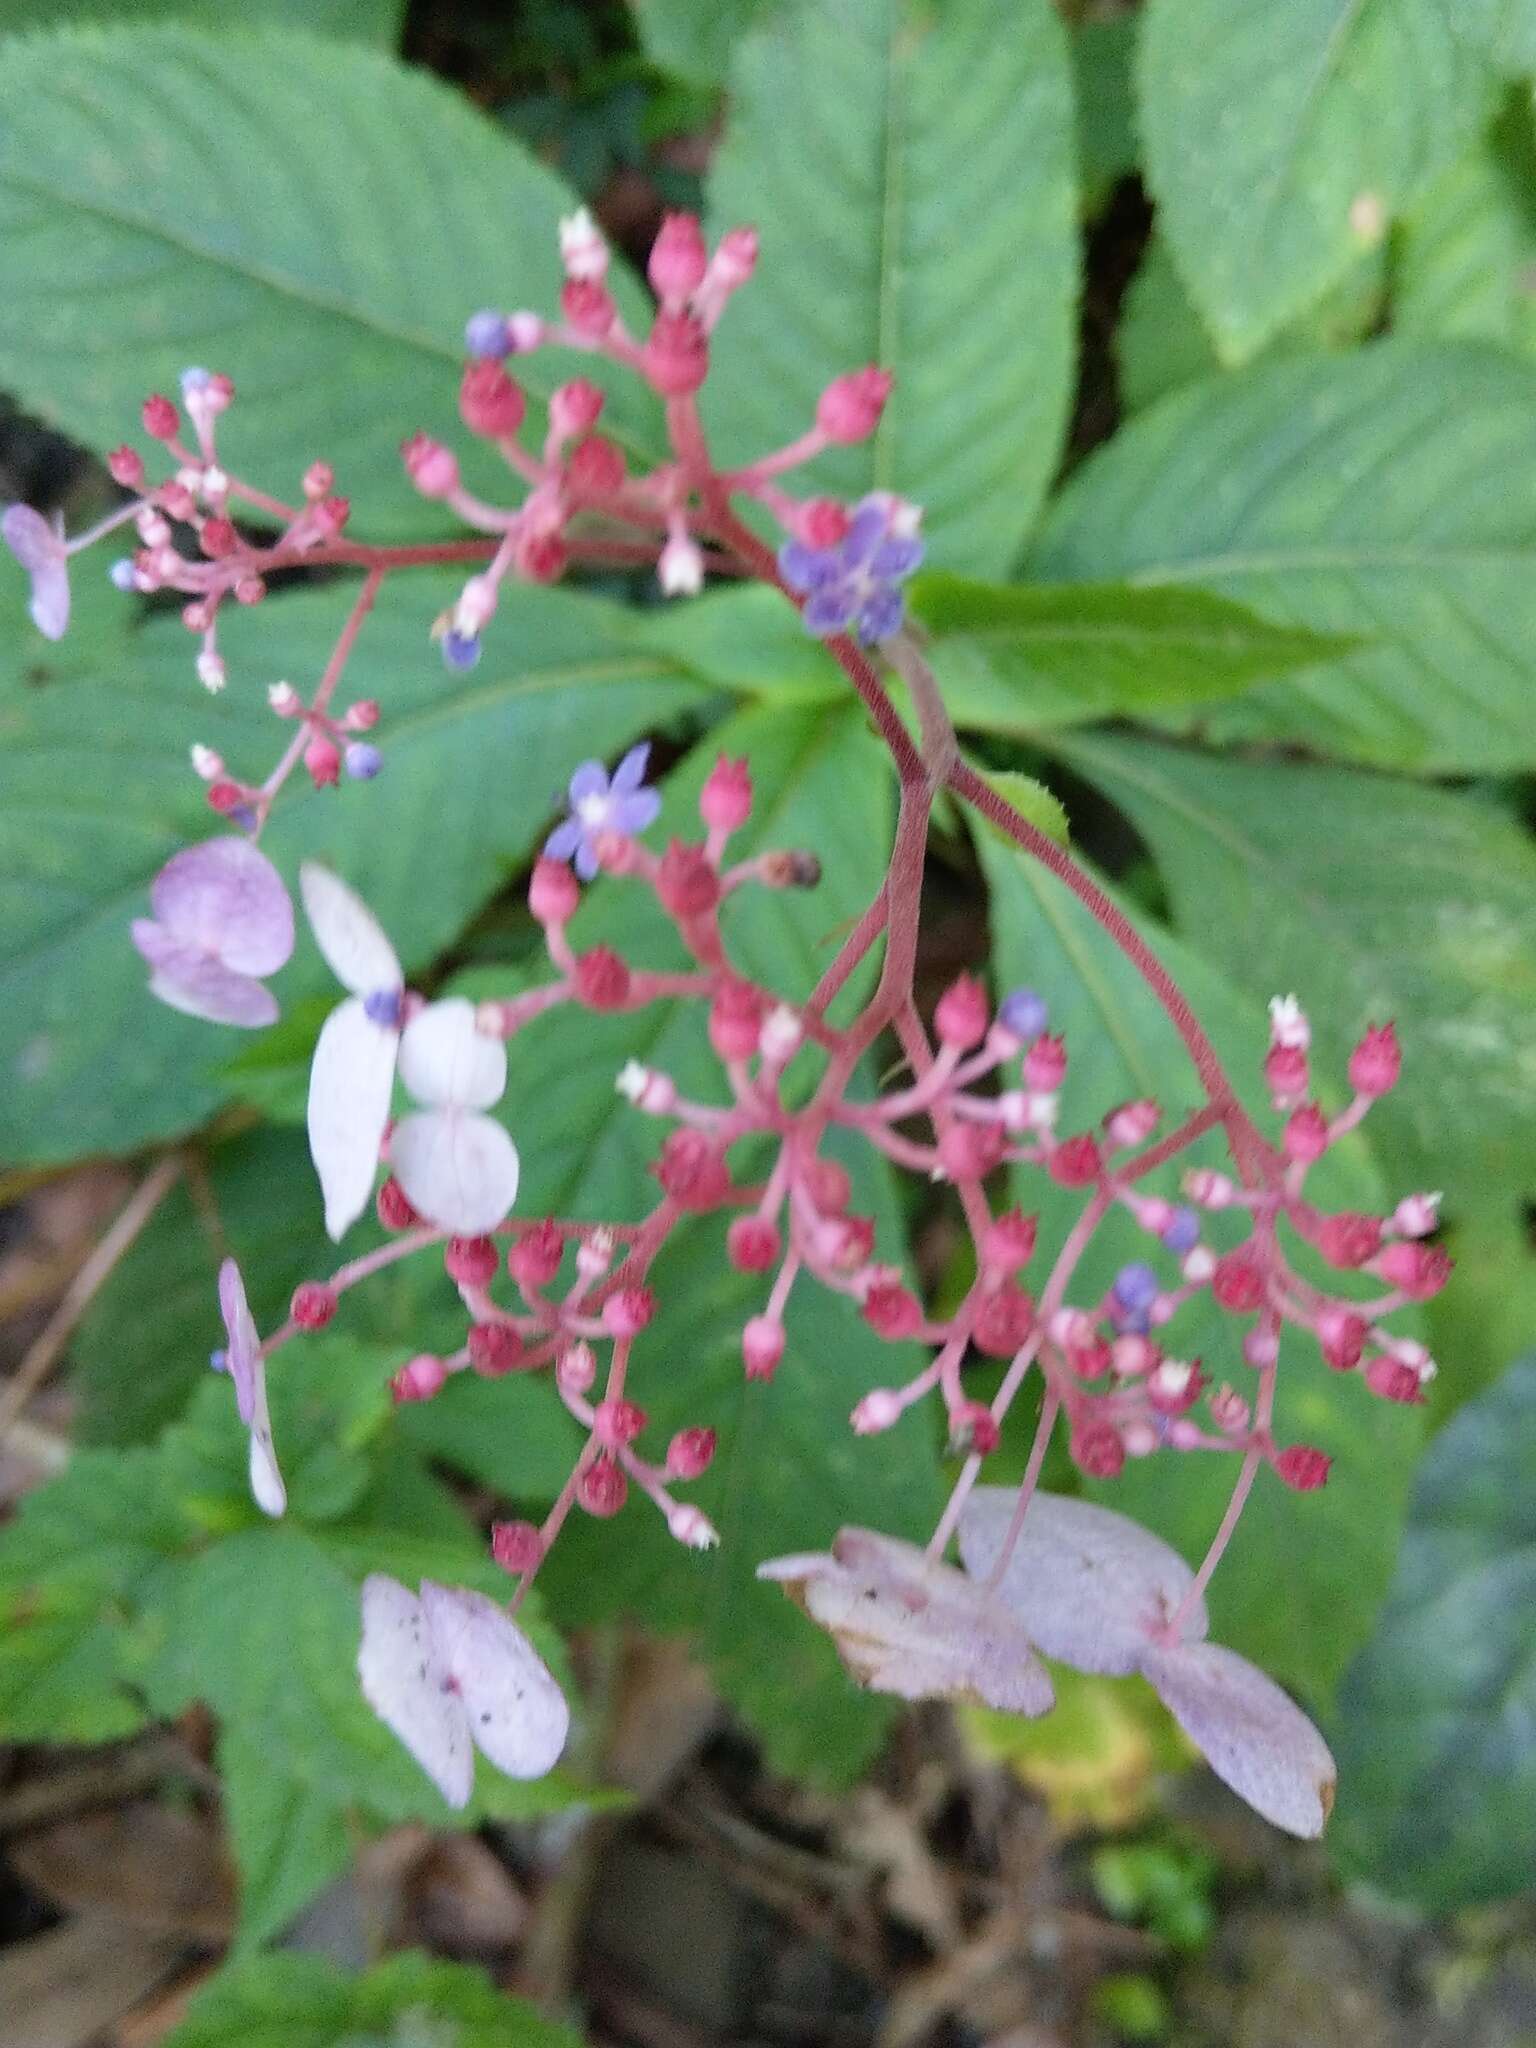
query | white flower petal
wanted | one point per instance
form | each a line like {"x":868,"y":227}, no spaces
{"x":1089,"y":1586}
{"x":1253,"y":1735}
{"x":459,"y":1170}
{"x":406,"y":1682}
{"x":350,"y":1084}
{"x":446,"y":1063}
{"x":349,"y":935}
{"x":517,"y":1714}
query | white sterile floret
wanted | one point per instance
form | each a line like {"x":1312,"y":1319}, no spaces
{"x":1288,"y":1025}
{"x":905,"y":1624}
{"x":583,"y":251}
{"x":353,"y":1075}
{"x":450,"y":1673}
{"x":781,"y":1034}
{"x":632,"y":1080}
{"x":458,"y":1167}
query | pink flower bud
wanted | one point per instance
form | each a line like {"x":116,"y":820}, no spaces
{"x":1045,"y":1064}
{"x":225,"y":797}
{"x":1229,"y":1411}
{"x":588,"y":307}
{"x":319,"y":481}
{"x":617,"y":1422}
{"x":1098,"y":1450}
{"x":1261,"y":1348}
{"x":686,"y":882}
{"x":973,"y":1430}
{"x":250,"y":590}
{"x":218,"y":538}
{"x":553,"y":892}
{"x":471,"y":1261}
{"x":1306,"y":1134}
{"x":880,"y":1409}
{"x":1009,"y":1242}
{"x":1348,"y":1239}
{"x":1139,"y":1437}
{"x":828,"y":1185}
{"x":575,"y":408}
{"x":495,"y":1349}
{"x":1131,"y":1124}
{"x":725,"y":801}
{"x":126,"y":466}
{"x":313,"y":1304}
{"x":419,"y":1379}
{"x":735,"y":257}
{"x":690,"y":1453}
{"x":1286,"y":1075}
{"x":576,"y":1369}
{"x":692,"y":1170}
{"x":1003,"y":1321}
{"x":1088,"y":1356}
{"x":534,"y":1259}
{"x":431,"y":467}
{"x":849,"y":409}
{"x":491,"y":403}
{"x":1131,"y":1355}
{"x":601,"y":980}
{"x":594,"y":1255}
{"x":735,"y":1021}
{"x":821,"y":522}
{"x":331,"y":515}
{"x":362,"y":716}
{"x":891,"y":1311}
{"x":1416,"y":1215}
{"x":516,"y":1546}
{"x":1074,"y":1163}
{"x":762,"y":1346}
{"x":323,"y":760}
{"x":960,"y":1017}
{"x":1420,"y":1270}
{"x":752,"y":1244}
{"x":1211,"y":1190}
{"x":675,"y":357}
{"x":970,"y":1151}
{"x":162,"y":422}
{"x":206,"y":763}
{"x":1238,"y":1284}
{"x":602,"y":1489}
{"x":1376,"y":1062}
{"x":1394,"y":1381}
{"x":1342,"y":1336}
{"x":596,"y":467}
{"x":629,"y":1311}
{"x":692,"y":1527}
{"x":393,"y":1208}
{"x":1303,"y":1468}
{"x":678,"y":258}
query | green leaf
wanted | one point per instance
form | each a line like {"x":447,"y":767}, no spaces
{"x":1281,"y":141}
{"x":1022,"y":657}
{"x":1036,"y":804}
{"x":1370,"y":898}
{"x":1463,"y":256}
{"x":1339,"y":1544}
{"x":1346,"y":496}
{"x":363,"y":21}
{"x":1161,"y":342}
{"x":95,"y":795}
{"x":289,"y":1837}
{"x":300,"y":2001}
{"x":1103,"y":54}
{"x":1436,"y":1729}
{"x":1503,"y":30}
{"x":313,"y":217}
{"x":695,"y":38}
{"x":917,"y":211}
{"x":1489,"y":1311}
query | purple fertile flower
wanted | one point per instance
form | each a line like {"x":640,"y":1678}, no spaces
{"x":1136,"y":1288}
{"x":1023,"y":1013}
{"x":460,"y":650}
{"x":362,"y":761}
{"x":38,"y":544}
{"x":1181,"y":1233}
{"x":602,"y":803}
{"x":855,"y":586}
{"x":485,"y":334}
{"x":222,"y":921}
{"x":242,"y":1361}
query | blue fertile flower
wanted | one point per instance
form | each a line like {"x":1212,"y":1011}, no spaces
{"x":460,"y":650}
{"x":1023,"y":1013}
{"x":1181,"y":1233}
{"x":602,"y":803}
{"x":1135,"y":1287}
{"x":362,"y":761}
{"x":485,"y":334}
{"x":856,"y":585}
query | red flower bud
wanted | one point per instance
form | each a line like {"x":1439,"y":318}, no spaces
{"x":393,"y":1209}
{"x":602,"y":1489}
{"x":762,"y":1346}
{"x":1376,"y":1062}
{"x":1238,"y":1284}
{"x":686,"y":884}
{"x":1302,"y":1468}
{"x":970,"y":1151}
{"x":849,"y":409}
{"x":490,"y":402}
{"x":553,"y":892}
{"x":534,"y":1259}
{"x":1419,"y":1269}
{"x":690,"y":1452}
{"x":1074,"y":1163}
{"x":676,"y":354}
{"x":1394,"y":1381}
{"x":471,"y":1261}
{"x":822,"y":522}
{"x":618,"y":1422}
{"x":1342,"y":1336}
{"x":1004,"y":1321}
{"x":1348,"y":1240}
{"x":1306,"y":1134}
{"x":595,"y":468}
{"x":1098,"y":1451}
{"x":162,"y":422}
{"x":629,"y":1311}
{"x":1286,"y":1074}
{"x":587,"y":305}
{"x":725,"y":801}
{"x":693,"y":1171}
{"x":735,"y":1020}
{"x":516,"y":1546}
{"x":431,"y":467}
{"x":1045,"y":1064}
{"x":752,"y":1244}
{"x":313,"y":1304}
{"x":828,"y":1185}
{"x":127,"y":468}
{"x":494,"y":1349}
{"x":602,"y":980}
{"x":575,"y":408}
{"x":960,"y":1018}
{"x":678,"y":257}
{"x":224,"y":797}
{"x":973,"y":1430}
{"x":218,"y":538}
{"x":419,"y":1378}
{"x":891,"y":1311}
{"x":1010,"y":1241}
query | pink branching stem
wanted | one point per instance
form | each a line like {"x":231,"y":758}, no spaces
{"x":1049,"y":1408}
{"x":346,"y":640}
{"x":402,"y":1247}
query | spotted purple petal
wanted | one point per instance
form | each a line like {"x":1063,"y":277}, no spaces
{"x":630,"y":773}
{"x":226,"y":898}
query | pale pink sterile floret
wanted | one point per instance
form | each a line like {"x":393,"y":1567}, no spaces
{"x":907,"y":1625}
{"x":38,"y":545}
{"x":222,"y":921}
{"x":459,"y":1167}
{"x":451,"y":1673}
{"x":242,"y":1360}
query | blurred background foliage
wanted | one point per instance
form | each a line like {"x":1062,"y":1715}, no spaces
{"x":1213,"y":328}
